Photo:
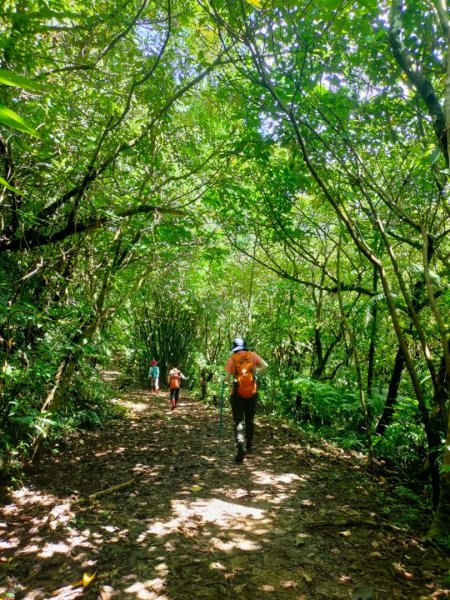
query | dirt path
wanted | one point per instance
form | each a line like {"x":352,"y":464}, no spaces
{"x":296,"y":521}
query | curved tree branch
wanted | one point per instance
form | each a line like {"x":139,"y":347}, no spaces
{"x":416,"y":77}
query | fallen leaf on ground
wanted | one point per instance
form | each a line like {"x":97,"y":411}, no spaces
{"x":306,"y":576}
{"x":88,"y":578}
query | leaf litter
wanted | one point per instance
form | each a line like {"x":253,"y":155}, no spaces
{"x":154,"y":508}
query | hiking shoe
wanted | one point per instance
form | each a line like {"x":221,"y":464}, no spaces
{"x":240,"y":455}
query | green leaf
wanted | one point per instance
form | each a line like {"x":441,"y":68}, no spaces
{"x":8,"y":78}
{"x":255,"y":3}
{"x":9,"y":186}
{"x":11,"y":119}
{"x":332,"y":4}
{"x":321,"y":90}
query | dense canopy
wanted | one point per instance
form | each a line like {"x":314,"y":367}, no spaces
{"x":177,"y":173}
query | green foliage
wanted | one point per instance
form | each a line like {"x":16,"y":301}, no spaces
{"x":443,"y":541}
{"x":404,"y":441}
{"x":12,"y":79}
{"x":324,"y":404}
{"x":196,"y":175}
{"x":9,"y":117}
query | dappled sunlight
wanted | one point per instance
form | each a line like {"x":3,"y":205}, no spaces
{"x":148,"y":590}
{"x":50,"y":550}
{"x":26,"y":496}
{"x":12,"y":543}
{"x":220,"y":513}
{"x":268,"y":498}
{"x":209,"y":459}
{"x":279,"y":481}
{"x":235,"y":543}
{"x":234,"y":493}
{"x":138,"y":407}
{"x":185,"y":403}
{"x":187,"y":521}
{"x":266,"y":487}
{"x":217,"y":511}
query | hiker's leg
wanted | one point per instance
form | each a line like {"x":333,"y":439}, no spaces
{"x":172,"y":398}
{"x":237,"y":408}
{"x":177,"y":395}
{"x":250,"y":411}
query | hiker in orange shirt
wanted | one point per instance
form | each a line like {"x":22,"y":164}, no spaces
{"x":174,"y":378}
{"x":242,"y":366}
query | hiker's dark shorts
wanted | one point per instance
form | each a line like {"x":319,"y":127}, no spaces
{"x":243,"y":409}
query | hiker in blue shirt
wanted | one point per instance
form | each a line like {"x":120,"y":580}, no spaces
{"x":153,"y":375}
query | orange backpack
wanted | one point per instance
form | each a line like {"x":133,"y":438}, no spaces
{"x":174,"y":380}
{"x":245,"y":374}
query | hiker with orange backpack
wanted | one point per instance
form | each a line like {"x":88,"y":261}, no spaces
{"x":174,"y":378}
{"x":242,"y":366}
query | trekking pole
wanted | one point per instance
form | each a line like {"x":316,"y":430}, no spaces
{"x":222,"y":392}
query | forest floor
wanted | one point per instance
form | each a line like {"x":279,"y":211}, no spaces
{"x":299,"y":519}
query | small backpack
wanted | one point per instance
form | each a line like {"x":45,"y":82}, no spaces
{"x":154,"y":371}
{"x":174,"y":380}
{"x":245,"y":374}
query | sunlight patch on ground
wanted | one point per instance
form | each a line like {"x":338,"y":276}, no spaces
{"x":26,"y":497}
{"x":59,"y":516}
{"x":233,"y":493}
{"x":266,"y":478}
{"x":135,"y":406}
{"x":218,"y":512}
{"x":148,"y":590}
{"x":273,"y":488}
{"x":144,"y":469}
{"x":267,"y":487}
{"x":12,"y":542}
{"x":50,"y":550}
{"x":73,"y":540}
{"x":269,"y":498}
{"x":209,"y":459}
{"x":236,"y":543}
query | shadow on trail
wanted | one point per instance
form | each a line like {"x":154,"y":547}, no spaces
{"x":292,"y":522}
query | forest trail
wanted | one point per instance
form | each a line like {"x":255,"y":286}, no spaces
{"x":298,"y":520}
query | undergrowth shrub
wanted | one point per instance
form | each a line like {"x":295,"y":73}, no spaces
{"x":336,"y":414}
{"x":404,"y":441}
{"x":321,"y":404}
{"x":87,"y":406}
{"x":22,"y":391}
{"x":90,"y":404}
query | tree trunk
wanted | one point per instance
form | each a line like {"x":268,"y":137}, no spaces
{"x":373,"y":335}
{"x":394,"y":384}
{"x":441,"y":522}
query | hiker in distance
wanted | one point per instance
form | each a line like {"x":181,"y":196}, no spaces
{"x":243,"y":366}
{"x":174,"y":378}
{"x":153,"y":375}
